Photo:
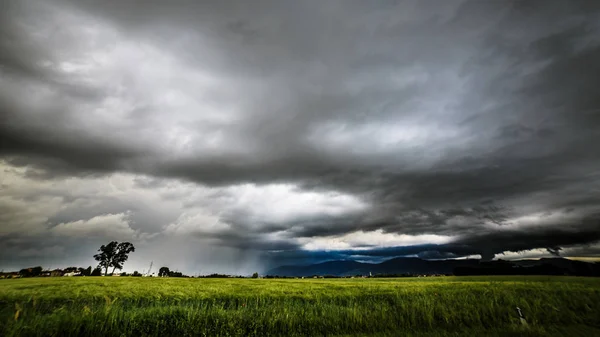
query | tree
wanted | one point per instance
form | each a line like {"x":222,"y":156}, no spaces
{"x":164,"y":271}
{"x":113,"y":255}
{"x":255,"y":275}
{"x":96,"y":272}
{"x":31,"y":272}
{"x":87,"y":272}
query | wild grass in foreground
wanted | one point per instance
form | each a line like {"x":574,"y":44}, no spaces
{"x":448,"y":306}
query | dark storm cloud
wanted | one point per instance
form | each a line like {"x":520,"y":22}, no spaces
{"x":497,"y":242}
{"x":577,"y":238}
{"x":450,"y":119}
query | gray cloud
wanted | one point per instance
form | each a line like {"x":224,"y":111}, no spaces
{"x":470,"y":120}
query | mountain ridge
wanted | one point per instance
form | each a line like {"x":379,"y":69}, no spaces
{"x":413,"y":265}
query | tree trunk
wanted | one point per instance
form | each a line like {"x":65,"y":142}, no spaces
{"x":113,"y":271}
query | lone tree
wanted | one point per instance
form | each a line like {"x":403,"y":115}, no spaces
{"x":164,"y":271}
{"x":113,"y":255}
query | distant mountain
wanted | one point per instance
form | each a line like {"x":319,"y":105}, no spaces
{"x":336,"y":268}
{"x":398,"y":265}
{"x":408,"y":265}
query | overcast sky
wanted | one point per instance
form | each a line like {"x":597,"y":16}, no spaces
{"x":234,"y":136}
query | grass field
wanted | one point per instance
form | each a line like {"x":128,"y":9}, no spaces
{"x":448,"y":306}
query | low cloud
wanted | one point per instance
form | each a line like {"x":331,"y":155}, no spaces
{"x":110,"y":226}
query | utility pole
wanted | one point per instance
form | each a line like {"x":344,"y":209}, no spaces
{"x":150,"y":268}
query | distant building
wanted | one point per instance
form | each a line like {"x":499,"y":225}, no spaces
{"x":73,"y":273}
{"x":12,"y":274}
{"x":56,"y":273}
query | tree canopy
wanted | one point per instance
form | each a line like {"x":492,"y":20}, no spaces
{"x":113,"y":255}
{"x":30,"y":272}
{"x":164,"y":271}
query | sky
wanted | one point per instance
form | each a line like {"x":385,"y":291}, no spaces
{"x":236,"y":136}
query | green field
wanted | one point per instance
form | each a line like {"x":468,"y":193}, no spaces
{"x":447,"y":306}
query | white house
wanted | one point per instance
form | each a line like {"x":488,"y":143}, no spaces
{"x":72,"y":274}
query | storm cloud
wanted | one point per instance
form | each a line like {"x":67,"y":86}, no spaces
{"x":237,"y":135}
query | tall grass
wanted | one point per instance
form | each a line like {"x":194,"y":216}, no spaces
{"x":449,"y":306}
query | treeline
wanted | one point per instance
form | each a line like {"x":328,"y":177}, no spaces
{"x":38,"y":271}
{"x":70,"y":271}
{"x":221,"y":276}
{"x":79,"y":271}
{"x":166,"y":272}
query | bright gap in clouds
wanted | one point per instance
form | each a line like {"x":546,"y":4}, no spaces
{"x":285,"y":202}
{"x":362,"y":240}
